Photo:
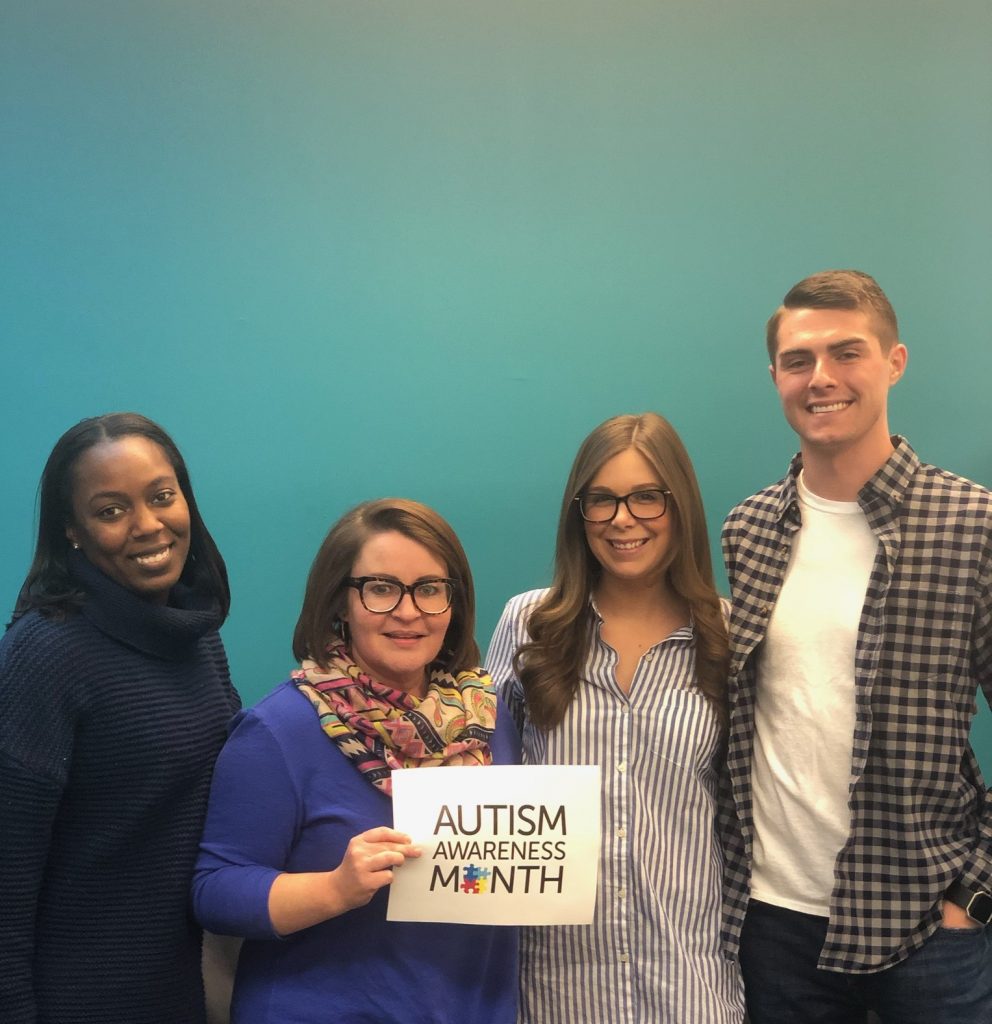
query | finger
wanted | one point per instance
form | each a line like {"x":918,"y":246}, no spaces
{"x":380,"y":879}
{"x":405,"y":849}
{"x":385,"y":834}
{"x":382,"y":860}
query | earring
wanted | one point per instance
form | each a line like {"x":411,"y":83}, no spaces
{"x":75,"y":546}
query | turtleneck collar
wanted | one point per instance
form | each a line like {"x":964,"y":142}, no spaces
{"x":167,"y":631}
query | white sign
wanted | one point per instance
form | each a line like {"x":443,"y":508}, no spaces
{"x":505,"y":844}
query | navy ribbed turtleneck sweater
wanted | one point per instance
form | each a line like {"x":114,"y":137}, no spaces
{"x":110,"y":721}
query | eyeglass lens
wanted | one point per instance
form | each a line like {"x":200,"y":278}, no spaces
{"x":601,"y":508}
{"x":431,"y":596}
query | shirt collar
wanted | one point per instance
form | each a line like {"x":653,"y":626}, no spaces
{"x":887,"y":488}
{"x":686,"y":632}
{"x":883,"y":492}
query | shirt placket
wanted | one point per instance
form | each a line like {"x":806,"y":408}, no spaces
{"x":620,"y":905}
{"x":620,"y":888}
{"x":866,"y":657}
{"x":616,"y":888}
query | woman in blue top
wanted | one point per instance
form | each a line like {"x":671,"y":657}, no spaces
{"x":116,"y":698}
{"x":622,"y":662}
{"x":298,"y":847}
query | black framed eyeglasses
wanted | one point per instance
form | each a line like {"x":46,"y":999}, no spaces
{"x":380,"y":594}
{"x":597,"y":507}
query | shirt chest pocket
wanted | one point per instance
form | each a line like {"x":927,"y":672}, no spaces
{"x":681,"y":731}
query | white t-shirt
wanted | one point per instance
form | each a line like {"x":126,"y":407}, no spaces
{"x":805,"y":708}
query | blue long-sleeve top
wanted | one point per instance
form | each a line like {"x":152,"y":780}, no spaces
{"x":284,"y":798}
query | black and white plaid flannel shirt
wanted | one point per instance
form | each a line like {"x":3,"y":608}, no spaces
{"x":921,"y":816}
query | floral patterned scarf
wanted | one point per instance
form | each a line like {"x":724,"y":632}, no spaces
{"x":378,"y":728}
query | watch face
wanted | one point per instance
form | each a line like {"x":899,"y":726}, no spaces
{"x":980,"y":907}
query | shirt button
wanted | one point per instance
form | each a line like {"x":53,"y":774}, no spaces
{"x":621,"y":833}
{"x":621,"y":894}
{"x":649,"y":656}
{"x":622,"y":766}
{"x":624,"y":958}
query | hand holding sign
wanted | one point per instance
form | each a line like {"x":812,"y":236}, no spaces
{"x":367,"y":865}
{"x":300,"y":899}
{"x":501,"y":845}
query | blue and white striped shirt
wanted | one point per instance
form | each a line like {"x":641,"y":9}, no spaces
{"x":652,"y":953}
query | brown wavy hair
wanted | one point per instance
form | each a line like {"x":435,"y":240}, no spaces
{"x":327,"y":591}
{"x":560,"y":627}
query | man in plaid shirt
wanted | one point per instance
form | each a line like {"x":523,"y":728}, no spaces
{"x":859,"y":838}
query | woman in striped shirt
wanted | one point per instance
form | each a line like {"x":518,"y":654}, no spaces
{"x":622,"y":662}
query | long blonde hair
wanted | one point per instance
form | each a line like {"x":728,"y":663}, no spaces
{"x":550,"y":664}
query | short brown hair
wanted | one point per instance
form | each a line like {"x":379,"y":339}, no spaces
{"x":838,"y":289}
{"x":326,"y":594}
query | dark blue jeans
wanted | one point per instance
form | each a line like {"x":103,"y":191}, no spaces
{"x":948,"y":981}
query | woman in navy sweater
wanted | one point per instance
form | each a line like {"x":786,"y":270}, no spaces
{"x":116,"y":694}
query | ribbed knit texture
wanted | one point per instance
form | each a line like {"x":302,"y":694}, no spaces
{"x":110,"y":725}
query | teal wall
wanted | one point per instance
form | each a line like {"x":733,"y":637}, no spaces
{"x":420,"y":247}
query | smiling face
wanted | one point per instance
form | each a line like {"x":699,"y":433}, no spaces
{"x":628,"y":549}
{"x":833,"y":378}
{"x":396,"y":647}
{"x":129,"y":515}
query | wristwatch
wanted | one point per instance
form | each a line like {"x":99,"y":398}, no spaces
{"x":977,"y":905}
